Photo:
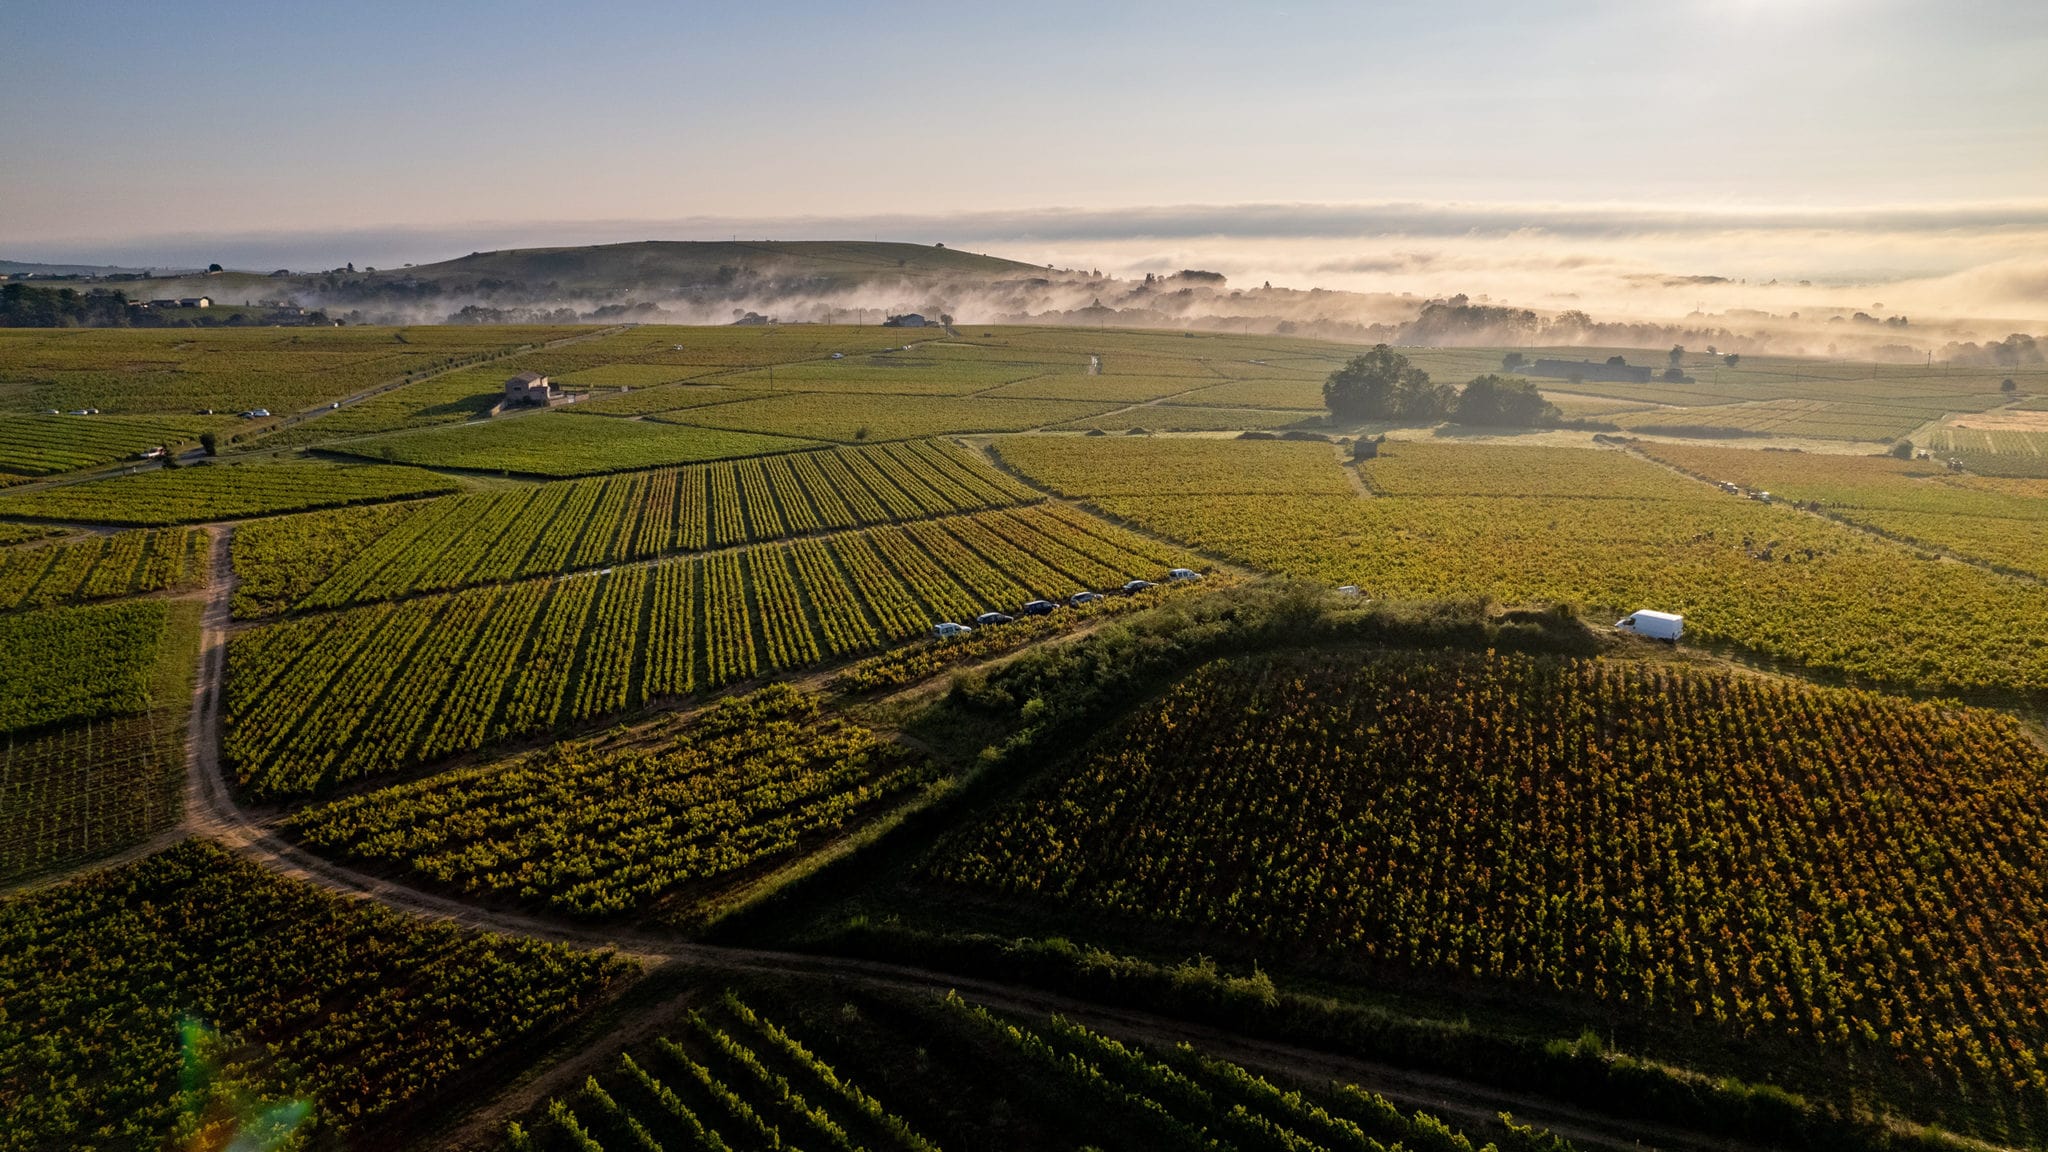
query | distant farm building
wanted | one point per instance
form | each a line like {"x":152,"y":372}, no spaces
{"x":908,"y":320}
{"x":532,"y":390}
{"x":528,"y":388}
{"x":1588,"y":370}
{"x":196,"y":302}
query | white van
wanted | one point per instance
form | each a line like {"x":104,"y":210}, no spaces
{"x":1655,"y":625}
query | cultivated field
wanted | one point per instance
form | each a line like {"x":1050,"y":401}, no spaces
{"x":1358,"y":828}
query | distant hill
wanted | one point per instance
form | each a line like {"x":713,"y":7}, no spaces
{"x":27,"y":268}
{"x":827,"y":264}
{"x":693,"y":281}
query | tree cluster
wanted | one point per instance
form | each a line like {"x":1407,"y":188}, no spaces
{"x":25,"y":306}
{"x":1383,"y":385}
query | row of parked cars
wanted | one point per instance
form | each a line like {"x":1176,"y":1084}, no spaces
{"x":949,"y":630}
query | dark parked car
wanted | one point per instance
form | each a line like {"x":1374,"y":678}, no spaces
{"x":988,"y":618}
{"x":1138,"y":586}
{"x":1080,"y":598}
{"x":1038,"y":608}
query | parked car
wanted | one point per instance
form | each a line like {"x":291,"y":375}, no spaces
{"x":1080,"y":598}
{"x":1182,"y":574}
{"x":988,"y":618}
{"x":1137,"y":586}
{"x":1038,"y":608}
{"x":950,"y":631}
{"x":1348,"y":590}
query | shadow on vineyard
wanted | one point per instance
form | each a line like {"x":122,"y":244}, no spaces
{"x":794,"y":1062}
{"x":1491,"y":843}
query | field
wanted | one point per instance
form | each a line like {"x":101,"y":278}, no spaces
{"x":1103,"y":389}
{"x":1999,"y":444}
{"x":372,"y":690}
{"x":896,"y":374}
{"x":60,"y":665}
{"x":658,"y":676}
{"x":278,"y":561}
{"x":647,"y":401}
{"x":98,"y":567}
{"x":691,"y":807}
{"x":451,"y":398}
{"x":559,"y":444}
{"x":223,"y":492}
{"x":178,"y":372}
{"x":853,"y":418}
{"x":77,"y":791}
{"x":354,"y":1009}
{"x":44,"y":445}
{"x":1583,"y":527}
{"x":334,"y":560}
{"x":1675,"y":842}
{"x":1183,"y":418}
{"x":1304,"y":394}
{"x":789,"y":1066}
{"x":1920,"y":501}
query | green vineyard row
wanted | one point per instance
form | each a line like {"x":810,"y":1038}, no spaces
{"x":551,"y":528}
{"x":594,"y":831}
{"x":123,"y":564}
{"x":372,"y":689}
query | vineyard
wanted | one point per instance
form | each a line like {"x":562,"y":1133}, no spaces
{"x":851,"y":1070}
{"x":647,"y":401}
{"x":1576,"y":526}
{"x":43,"y":445}
{"x":1087,"y":469}
{"x":1184,"y":418}
{"x":451,"y":398}
{"x":355,"y":1008}
{"x":1100,"y":389}
{"x":223,"y":492}
{"x":563,"y":444}
{"x":339,"y":559}
{"x":899,"y":374}
{"x":371,"y":690}
{"x":1991,"y":520}
{"x":906,"y":664}
{"x":2018,"y":448}
{"x":79,"y":791}
{"x":692,"y":806}
{"x":853,"y":418}
{"x":59,"y":665}
{"x":278,"y":561}
{"x":180,"y":371}
{"x":1838,"y":868}
{"x":98,"y":567}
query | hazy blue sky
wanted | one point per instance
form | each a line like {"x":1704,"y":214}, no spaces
{"x":420,"y":120}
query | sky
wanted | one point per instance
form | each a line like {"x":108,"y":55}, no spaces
{"x":1878,"y":141}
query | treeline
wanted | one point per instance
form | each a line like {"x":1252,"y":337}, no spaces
{"x":27,"y":306}
{"x":23,"y":306}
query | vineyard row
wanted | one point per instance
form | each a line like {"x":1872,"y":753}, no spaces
{"x":546,"y":529}
{"x":373,"y":689}
{"x":735,"y":1077}
{"x":123,"y":564}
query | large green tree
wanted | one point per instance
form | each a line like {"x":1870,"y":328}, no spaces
{"x":1383,"y":385}
{"x":1497,"y":401}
